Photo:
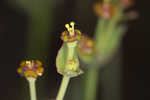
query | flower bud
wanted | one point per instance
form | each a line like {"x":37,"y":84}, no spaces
{"x":105,"y":10}
{"x":86,"y":49}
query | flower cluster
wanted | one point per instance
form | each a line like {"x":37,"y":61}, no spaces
{"x":105,"y":10}
{"x":86,"y":46}
{"x":71,"y":34}
{"x":30,"y":68}
{"x":86,"y":49}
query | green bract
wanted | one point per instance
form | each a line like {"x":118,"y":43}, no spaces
{"x":66,"y":66}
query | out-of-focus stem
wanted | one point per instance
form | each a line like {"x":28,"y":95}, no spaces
{"x":91,"y":81}
{"x":32,"y":88}
{"x":100,"y":30}
{"x":63,"y":88}
{"x":104,"y":31}
{"x":91,"y":84}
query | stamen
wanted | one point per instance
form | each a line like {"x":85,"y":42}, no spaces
{"x":29,"y":64}
{"x":72,"y":24}
{"x":70,"y":29}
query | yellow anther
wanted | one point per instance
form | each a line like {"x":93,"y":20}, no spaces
{"x":68,"y":27}
{"x":29,"y":63}
{"x":72,"y":24}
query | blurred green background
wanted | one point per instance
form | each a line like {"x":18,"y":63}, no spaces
{"x":32,"y":29}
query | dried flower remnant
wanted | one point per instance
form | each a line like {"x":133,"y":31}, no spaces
{"x":30,"y":68}
{"x":105,"y":10}
{"x":67,"y":60}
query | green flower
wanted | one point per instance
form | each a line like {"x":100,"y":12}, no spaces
{"x":67,"y":62}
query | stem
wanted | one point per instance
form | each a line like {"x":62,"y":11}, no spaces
{"x":91,"y":84}
{"x":63,"y":88}
{"x":32,"y":87}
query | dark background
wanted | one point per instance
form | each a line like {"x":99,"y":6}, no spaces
{"x":136,"y":47}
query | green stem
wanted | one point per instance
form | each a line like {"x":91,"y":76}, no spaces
{"x":63,"y":88}
{"x":91,"y":84}
{"x":32,"y":87}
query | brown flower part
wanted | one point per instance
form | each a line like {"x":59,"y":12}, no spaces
{"x":126,"y":3}
{"x":71,"y":34}
{"x":30,"y":68}
{"x":104,"y":10}
{"x":86,"y":46}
